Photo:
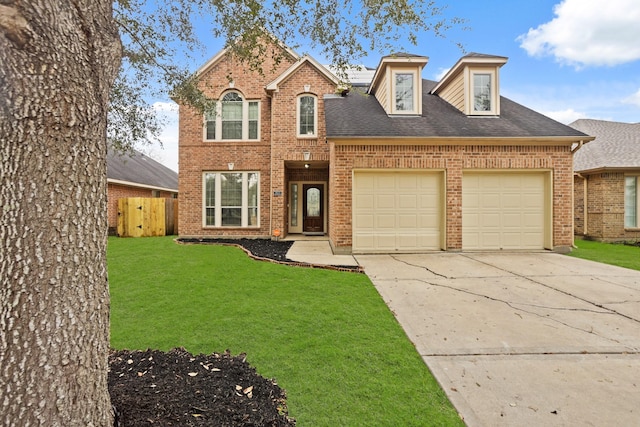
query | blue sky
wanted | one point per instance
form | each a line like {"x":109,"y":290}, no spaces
{"x":568,"y":59}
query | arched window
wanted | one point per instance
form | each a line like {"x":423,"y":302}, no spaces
{"x":307,"y":116}
{"x":233,"y":119}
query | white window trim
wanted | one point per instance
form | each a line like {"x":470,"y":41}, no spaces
{"x":218,"y":202}
{"x":315,"y":116}
{"x":417,"y":91}
{"x":245,"y":121}
{"x":495,"y":98}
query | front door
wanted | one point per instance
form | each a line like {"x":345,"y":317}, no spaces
{"x":312,"y":212}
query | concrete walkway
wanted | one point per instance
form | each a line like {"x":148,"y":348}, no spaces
{"x":318,"y":251}
{"x":537,"y":339}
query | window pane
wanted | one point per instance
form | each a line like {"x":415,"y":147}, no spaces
{"x":404,"y":92}
{"x":210,"y":198}
{"x":253,"y":120}
{"x":231,"y":186}
{"x":482,"y":92}
{"x":231,"y":217}
{"x":253,"y":217}
{"x":313,"y":202}
{"x":294,"y":205}
{"x":210,"y":119}
{"x":232,"y":116}
{"x":631,"y":202}
{"x":307,"y":115}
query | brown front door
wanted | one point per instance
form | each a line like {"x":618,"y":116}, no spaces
{"x":312,"y":208}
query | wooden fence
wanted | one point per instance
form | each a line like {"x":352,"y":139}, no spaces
{"x":145,"y":217}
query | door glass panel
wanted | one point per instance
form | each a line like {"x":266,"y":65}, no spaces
{"x":313,"y":202}
{"x":294,"y":205}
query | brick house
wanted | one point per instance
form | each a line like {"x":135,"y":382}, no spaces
{"x":136,"y":175}
{"x":401,"y":165}
{"x":607,"y":175}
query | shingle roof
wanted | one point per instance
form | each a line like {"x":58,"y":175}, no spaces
{"x":360,"y":115}
{"x":617,"y":145}
{"x":136,"y":168}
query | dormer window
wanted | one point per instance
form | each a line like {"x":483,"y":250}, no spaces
{"x":482,"y":93}
{"x":404,"y":92}
{"x":472,"y":85}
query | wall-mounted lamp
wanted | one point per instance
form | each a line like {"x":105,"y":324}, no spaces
{"x":230,"y":165}
{"x":307,"y":165}
{"x":306,"y":155}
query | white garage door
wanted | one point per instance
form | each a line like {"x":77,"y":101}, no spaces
{"x":397,"y":211}
{"x":504,"y":210}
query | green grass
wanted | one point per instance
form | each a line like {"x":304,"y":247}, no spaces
{"x":325,"y":336}
{"x":609,"y":253}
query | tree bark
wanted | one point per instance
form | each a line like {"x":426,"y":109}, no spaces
{"x":58,"y":60}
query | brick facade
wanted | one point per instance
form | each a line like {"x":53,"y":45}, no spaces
{"x":453,"y":160}
{"x":604,"y":207}
{"x":278,"y":157}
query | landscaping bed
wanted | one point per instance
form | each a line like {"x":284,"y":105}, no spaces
{"x":176,"y":388}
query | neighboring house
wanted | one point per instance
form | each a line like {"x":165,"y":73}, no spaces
{"x":136,"y":175}
{"x":607,"y":175}
{"x":405,"y":165}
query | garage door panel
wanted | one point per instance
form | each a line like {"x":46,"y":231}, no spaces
{"x":503,"y":210}
{"x":407,"y":212}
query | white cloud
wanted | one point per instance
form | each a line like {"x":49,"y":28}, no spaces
{"x":168,"y":154}
{"x":633,"y":99}
{"x":441,"y":73}
{"x":565,"y":116}
{"x":588,"y":32}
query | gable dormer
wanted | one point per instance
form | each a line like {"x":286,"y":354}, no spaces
{"x":472,"y":85}
{"x":397,"y":84}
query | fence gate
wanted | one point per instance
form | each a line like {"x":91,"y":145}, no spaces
{"x":145,"y":217}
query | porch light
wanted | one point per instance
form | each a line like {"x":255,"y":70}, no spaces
{"x":230,"y":165}
{"x":306,"y":155}
{"x":307,"y":165}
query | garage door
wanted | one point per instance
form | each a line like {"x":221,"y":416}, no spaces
{"x":397,"y":212}
{"x":504,"y":210}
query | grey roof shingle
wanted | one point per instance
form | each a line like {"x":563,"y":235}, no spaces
{"x":617,"y":145}
{"x":137,"y":168}
{"x":359,"y":115}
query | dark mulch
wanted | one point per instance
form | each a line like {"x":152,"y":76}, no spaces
{"x":260,"y":248}
{"x":266,"y":249}
{"x":176,"y":388}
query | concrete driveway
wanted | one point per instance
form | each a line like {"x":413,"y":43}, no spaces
{"x":535,"y":339}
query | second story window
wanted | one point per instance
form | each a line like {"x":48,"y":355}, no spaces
{"x":482,"y":93}
{"x":307,"y":116}
{"x":404,"y":93}
{"x":234,"y":119}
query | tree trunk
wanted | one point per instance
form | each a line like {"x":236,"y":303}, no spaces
{"x":58,"y":60}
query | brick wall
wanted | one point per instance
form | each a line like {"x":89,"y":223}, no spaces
{"x":453,"y":160}
{"x":605,"y":208}
{"x":287,"y":147}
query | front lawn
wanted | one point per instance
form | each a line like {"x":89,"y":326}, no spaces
{"x":325,"y":336}
{"x":609,"y":253}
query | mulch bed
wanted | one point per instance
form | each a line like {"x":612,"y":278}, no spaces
{"x":176,"y":388}
{"x":268,"y":250}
